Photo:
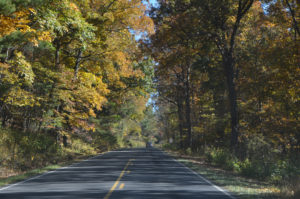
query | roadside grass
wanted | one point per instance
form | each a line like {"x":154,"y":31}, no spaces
{"x":241,"y":187}
{"x":15,"y":177}
{"x":23,"y":156}
{"x":28,"y":174}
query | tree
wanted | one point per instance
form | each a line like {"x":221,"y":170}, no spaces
{"x":63,"y":62}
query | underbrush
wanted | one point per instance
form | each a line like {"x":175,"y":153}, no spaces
{"x":80,"y":147}
{"x":23,"y":151}
{"x":278,"y":171}
{"x":259,"y":161}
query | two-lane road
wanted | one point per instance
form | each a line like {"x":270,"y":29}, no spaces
{"x":131,"y":174}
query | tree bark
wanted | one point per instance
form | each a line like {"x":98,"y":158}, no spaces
{"x":56,"y":62}
{"x":188,"y":108}
{"x":293,"y":17}
{"x":180,"y":117}
{"x":77,"y":63}
{"x":229,"y":71}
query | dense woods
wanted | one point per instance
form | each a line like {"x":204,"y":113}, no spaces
{"x":218,"y":78}
{"x":72,"y":78}
{"x":228,"y":82}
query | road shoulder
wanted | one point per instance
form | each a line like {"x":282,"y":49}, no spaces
{"x":36,"y":173}
{"x":236,"y":186}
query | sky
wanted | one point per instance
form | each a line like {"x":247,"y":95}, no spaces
{"x":154,"y":3}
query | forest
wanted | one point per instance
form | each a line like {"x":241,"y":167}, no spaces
{"x":227,"y":83}
{"x":212,"y":78}
{"x":73,"y":79}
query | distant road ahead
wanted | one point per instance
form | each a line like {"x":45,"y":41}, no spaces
{"x":126,"y":174}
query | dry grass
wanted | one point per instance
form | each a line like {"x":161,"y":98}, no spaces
{"x":9,"y":176}
{"x":242,"y":187}
{"x":5,"y":172}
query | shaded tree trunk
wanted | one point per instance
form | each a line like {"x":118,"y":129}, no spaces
{"x":180,"y":117}
{"x":220,"y":110}
{"x":230,"y":73}
{"x":57,"y":53}
{"x":295,"y":24}
{"x":188,"y":108}
{"x":77,"y":63}
{"x":227,"y":51}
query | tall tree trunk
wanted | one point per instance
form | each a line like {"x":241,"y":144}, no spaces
{"x":220,"y":111}
{"x":295,"y":24}
{"x":188,"y":108}
{"x":230,"y":77}
{"x":230,"y":73}
{"x":180,"y":116}
{"x":9,"y":54}
{"x":56,"y":62}
{"x":77,"y":63}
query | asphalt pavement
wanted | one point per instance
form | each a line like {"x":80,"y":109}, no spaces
{"x":139,"y":173}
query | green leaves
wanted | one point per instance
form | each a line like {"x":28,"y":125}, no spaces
{"x":6,"y":7}
{"x":23,"y":69}
{"x":63,"y":61}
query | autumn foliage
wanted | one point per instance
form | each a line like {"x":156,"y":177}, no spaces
{"x":62,"y":65}
{"x":228,"y":82}
{"x":223,"y":75}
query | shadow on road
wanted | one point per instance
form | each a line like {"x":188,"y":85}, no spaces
{"x":152,"y":174}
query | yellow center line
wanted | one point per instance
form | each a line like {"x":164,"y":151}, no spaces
{"x":118,"y":180}
{"x":122,"y":186}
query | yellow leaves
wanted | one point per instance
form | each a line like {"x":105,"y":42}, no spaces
{"x":125,"y":13}
{"x":92,"y":81}
{"x":118,"y":19}
{"x":294,"y":94}
{"x":121,"y":59}
{"x":92,"y":113}
{"x":121,"y":67}
{"x":268,"y":24}
{"x":17,"y":21}
{"x":7,"y":25}
{"x":17,"y":76}
{"x":90,"y":94}
{"x":23,"y":68}
{"x":231,"y":20}
{"x":33,"y":11}
{"x":109,"y":16}
{"x":73,"y":102}
{"x":198,"y":129}
{"x":74,"y":6}
{"x":19,"y":97}
{"x":80,"y":98}
{"x":41,"y":36}
{"x":7,"y":77}
{"x":18,"y":71}
{"x":79,"y":120}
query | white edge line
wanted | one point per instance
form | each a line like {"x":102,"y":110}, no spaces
{"x":43,"y":174}
{"x":197,"y":174}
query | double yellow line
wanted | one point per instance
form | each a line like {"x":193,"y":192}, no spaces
{"x":118,"y":180}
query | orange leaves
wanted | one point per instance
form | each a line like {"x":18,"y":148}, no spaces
{"x":17,"y":77}
{"x":125,"y":13}
{"x":91,"y":40}
{"x":17,"y":21}
{"x":20,"y":97}
{"x":73,"y":6}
